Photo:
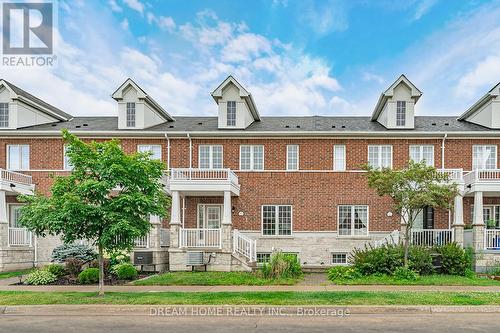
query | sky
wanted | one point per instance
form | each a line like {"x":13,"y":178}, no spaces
{"x":297,"y":58}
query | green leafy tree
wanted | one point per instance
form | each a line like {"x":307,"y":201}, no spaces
{"x":411,"y":189}
{"x":107,"y":199}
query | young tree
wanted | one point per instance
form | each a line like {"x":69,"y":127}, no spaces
{"x":411,"y":189}
{"x":107,"y":199}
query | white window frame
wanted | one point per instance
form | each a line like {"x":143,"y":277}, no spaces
{"x":252,"y":159}
{"x":129,"y":122}
{"x":231,"y":121}
{"x":343,"y":149}
{"x":421,"y":153}
{"x":149,"y":148}
{"x":400,"y":110}
{"x":288,"y":168}
{"x":20,"y":156}
{"x":66,"y":164}
{"x":4,"y":107}
{"x":379,"y":148}
{"x":474,"y":167}
{"x":11,"y":207}
{"x":205,"y":207}
{"x":211,"y":156}
{"x":276,"y":220}
{"x":338,"y":263}
{"x":352,"y":234}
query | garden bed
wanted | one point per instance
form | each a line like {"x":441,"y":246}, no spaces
{"x":424,"y":280}
{"x":108,"y":280}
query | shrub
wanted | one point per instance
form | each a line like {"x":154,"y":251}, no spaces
{"x":380,"y":260}
{"x":404,"y":273}
{"x":74,"y":266}
{"x":79,"y":251}
{"x":89,"y":276}
{"x":107,"y":265}
{"x":343,"y":273}
{"x":56,"y":269}
{"x":454,"y":260}
{"x":282,"y":266}
{"x":118,"y":257}
{"x":125,"y":271}
{"x":40,"y":277}
{"x":421,"y":260}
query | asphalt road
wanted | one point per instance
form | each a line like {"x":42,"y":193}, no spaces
{"x":442,"y":323}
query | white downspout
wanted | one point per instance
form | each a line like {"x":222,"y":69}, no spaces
{"x":168,"y":151}
{"x":36,"y":251}
{"x":190,"y":151}
{"x":442,"y":150}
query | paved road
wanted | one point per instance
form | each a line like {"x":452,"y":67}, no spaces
{"x":408,"y":323}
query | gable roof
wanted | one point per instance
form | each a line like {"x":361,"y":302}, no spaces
{"x":118,"y":95}
{"x":492,"y":93}
{"x":36,"y":102}
{"x":415,"y":94}
{"x":245,"y":94}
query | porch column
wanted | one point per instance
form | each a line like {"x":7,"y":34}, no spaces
{"x":478,"y":223}
{"x":226,"y":218}
{"x":458,"y":220}
{"x":4,"y":221}
{"x":175,"y":221}
{"x":226,"y":241}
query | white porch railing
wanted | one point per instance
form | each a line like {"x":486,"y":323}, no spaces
{"x":142,"y":242}
{"x":245,"y":246}
{"x":20,"y":237}
{"x":453,"y":174}
{"x":203,"y":174}
{"x":431,"y":237}
{"x":15,"y":177}
{"x":392,"y":238}
{"x":164,"y":237}
{"x":197,"y":237}
{"x":492,"y":239}
{"x":483,"y":175}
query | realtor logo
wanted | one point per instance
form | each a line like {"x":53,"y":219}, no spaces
{"x":28,"y":33}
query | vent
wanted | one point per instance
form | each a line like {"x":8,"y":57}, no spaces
{"x":298,"y":126}
{"x":200,"y":123}
{"x":85,"y":125}
{"x":171,"y":126}
{"x":78,"y":126}
{"x":286,"y":126}
{"x":446,"y":124}
{"x":333,"y":126}
{"x":433,"y":124}
{"x":343,"y":126}
{"x":54,"y":125}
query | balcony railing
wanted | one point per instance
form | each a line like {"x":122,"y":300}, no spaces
{"x":492,"y":239}
{"x":203,"y":174}
{"x":198,"y":237}
{"x":142,"y":242}
{"x":482,"y":175}
{"x":20,"y":237}
{"x":431,"y":237}
{"x":15,"y":177}
{"x":453,"y":174}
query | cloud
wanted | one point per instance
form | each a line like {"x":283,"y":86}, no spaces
{"x":166,"y":22}
{"x":324,"y":17}
{"x":422,"y":8}
{"x":245,"y":47}
{"x":124,"y":24}
{"x":368,"y":76}
{"x":135,"y":5}
{"x":114,"y":6}
{"x":485,"y":73}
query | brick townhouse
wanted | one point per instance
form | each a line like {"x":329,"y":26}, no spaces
{"x":243,"y":186}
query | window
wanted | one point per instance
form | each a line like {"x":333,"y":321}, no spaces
{"x":276,"y":220}
{"x":400,"y":113}
{"x":209,"y":216}
{"x":18,"y":157}
{"x":251,"y":157}
{"x":339,"y":258}
{"x":380,"y":156}
{"x":353,"y":220}
{"x":67,"y":164}
{"x":484,"y":157}
{"x":422,"y":153}
{"x":210,"y":157}
{"x":4,"y":114}
{"x":292,"y":157}
{"x":15,"y":215}
{"x":231,"y":113}
{"x":154,"y":150}
{"x":339,"y":158}
{"x":130,"y":114}
{"x":263,"y":257}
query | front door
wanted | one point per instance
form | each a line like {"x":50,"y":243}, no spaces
{"x":209,"y":216}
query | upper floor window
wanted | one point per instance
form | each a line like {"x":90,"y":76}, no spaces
{"x":400,"y":113}
{"x":251,"y":157}
{"x":231,"y":113}
{"x":422,"y":153}
{"x":380,"y":156}
{"x":353,"y":220}
{"x":339,"y":158}
{"x":18,"y":157}
{"x":484,"y":157}
{"x":292,"y":157}
{"x":276,"y":220}
{"x":67,"y":164}
{"x":4,"y":114}
{"x":130,"y":114}
{"x":154,"y":150}
{"x":210,"y":157}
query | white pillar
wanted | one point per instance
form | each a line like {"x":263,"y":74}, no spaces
{"x":458,"y":210}
{"x":226,"y":218}
{"x":478,"y":209}
{"x":176,"y":208}
{"x":3,"y":208}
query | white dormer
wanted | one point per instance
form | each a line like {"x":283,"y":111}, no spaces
{"x":236,"y":106}
{"x":396,"y":106}
{"x":136,"y":109}
{"x":486,"y":111}
{"x":20,"y":109}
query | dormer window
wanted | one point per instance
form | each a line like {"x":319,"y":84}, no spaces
{"x":401,"y":113}
{"x":130,"y":114}
{"x":4,"y":114}
{"x":231,"y":113}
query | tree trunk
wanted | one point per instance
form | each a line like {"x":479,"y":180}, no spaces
{"x":406,"y":247}
{"x":101,"y":271}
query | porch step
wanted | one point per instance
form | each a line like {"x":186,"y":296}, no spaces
{"x":244,"y":262}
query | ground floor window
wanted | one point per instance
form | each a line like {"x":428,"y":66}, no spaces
{"x":352,"y":220}
{"x":15,"y":215}
{"x":339,"y":258}
{"x":276,"y":220}
{"x":491,"y":216}
{"x":263,"y":257}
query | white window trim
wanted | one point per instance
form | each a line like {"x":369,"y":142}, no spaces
{"x":66,"y":166}
{"x":496,"y":154}
{"x":8,"y":115}
{"x":210,"y":156}
{"x":126,"y":115}
{"x":380,"y":153}
{"x":150,"y":149}
{"x":404,"y":113}
{"x":8,"y":157}
{"x":298,"y":157}
{"x":252,"y":158}
{"x":421,"y":149}
{"x":276,"y":221}
{"x":205,"y":206}
{"x":339,"y":252}
{"x":227,"y":113}
{"x":352,"y":235}
{"x":344,"y":164}
{"x":9,"y":208}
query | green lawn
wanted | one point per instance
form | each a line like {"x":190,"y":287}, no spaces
{"x":427,"y":280}
{"x":5,"y":275}
{"x":256,"y":298}
{"x":211,"y":279}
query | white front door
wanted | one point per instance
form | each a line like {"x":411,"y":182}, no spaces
{"x":209,"y":216}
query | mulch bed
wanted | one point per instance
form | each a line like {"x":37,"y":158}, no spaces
{"x":108,"y":280}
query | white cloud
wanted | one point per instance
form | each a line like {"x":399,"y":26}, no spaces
{"x":326,"y":16}
{"x":483,"y":76}
{"x":124,"y":24}
{"x":368,"y":76}
{"x":135,"y":5}
{"x":114,"y":6}
{"x":245,"y":47}
{"x":423,"y":8}
{"x":166,"y":22}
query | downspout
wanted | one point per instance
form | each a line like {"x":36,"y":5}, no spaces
{"x":190,"y":151}
{"x":442,"y":150}
{"x":168,"y":151}
{"x":35,"y":263}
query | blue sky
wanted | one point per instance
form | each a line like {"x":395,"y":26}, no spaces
{"x":329,"y":57}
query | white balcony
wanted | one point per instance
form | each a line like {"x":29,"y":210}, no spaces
{"x":16,"y":182}
{"x":203,"y":182}
{"x":453,"y":174}
{"x":20,"y":237}
{"x":483,"y":180}
{"x":492,"y":239}
{"x":200,"y":238}
{"x":431,"y":237}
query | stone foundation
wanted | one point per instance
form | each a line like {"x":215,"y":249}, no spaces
{"x":486,"y":261}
